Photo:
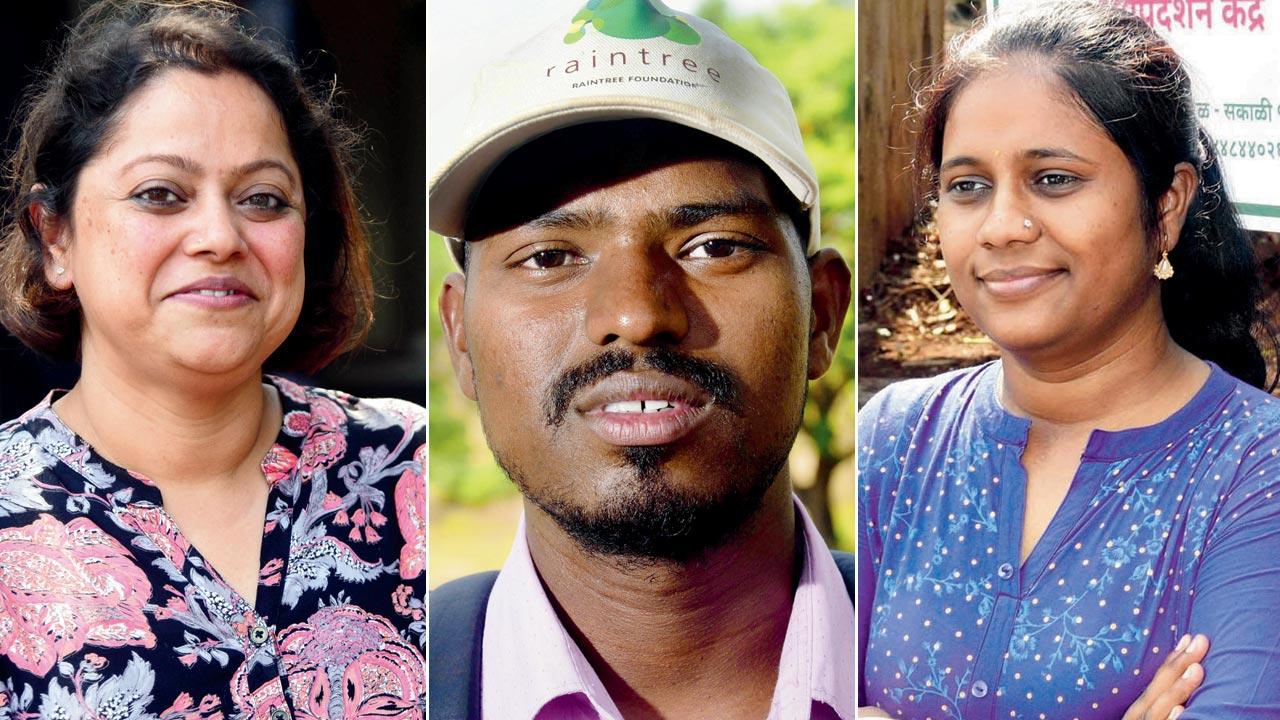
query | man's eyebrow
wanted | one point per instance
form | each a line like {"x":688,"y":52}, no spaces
{"x":571,"y":220}
{"x":682,"y":216}
{"x":691,"y":214}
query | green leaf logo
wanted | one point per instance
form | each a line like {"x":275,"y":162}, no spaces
{"x":632,"y":20}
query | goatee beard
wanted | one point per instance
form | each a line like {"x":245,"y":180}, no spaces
{"x":645,"y":518}
{"x":648,"y":520}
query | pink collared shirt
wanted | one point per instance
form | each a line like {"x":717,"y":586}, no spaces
{"x":533,"y":670}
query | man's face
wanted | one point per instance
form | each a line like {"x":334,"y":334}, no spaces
{"x":639,"y":350}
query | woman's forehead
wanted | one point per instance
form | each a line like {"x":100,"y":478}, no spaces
{"x":1015,"y":109}
{"x":220,"y":119}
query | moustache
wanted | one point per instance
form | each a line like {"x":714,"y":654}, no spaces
{"x":718,"y":381}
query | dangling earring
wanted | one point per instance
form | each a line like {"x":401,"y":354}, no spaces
{"x":1163,"y":269}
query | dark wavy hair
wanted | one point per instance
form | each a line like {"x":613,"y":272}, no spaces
{"x":116,"y":48}
{"x":1133,"y":85}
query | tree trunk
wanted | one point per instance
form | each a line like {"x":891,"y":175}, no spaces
{"x":893,"y":37}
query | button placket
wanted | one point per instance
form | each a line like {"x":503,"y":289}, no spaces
{"x":988,"y":661}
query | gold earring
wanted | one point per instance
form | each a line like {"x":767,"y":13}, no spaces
{"x":1163,"y":269}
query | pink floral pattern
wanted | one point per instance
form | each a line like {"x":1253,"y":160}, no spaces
{"x":260,"y":703}
{"x":154,"y":524}
{"x":321,"y":452}
{"x":345,"y":657}
{"x":278,"y":463}
{"x":107,"y":610}
{"x":66,"y":586}
{"x":411,"y":511}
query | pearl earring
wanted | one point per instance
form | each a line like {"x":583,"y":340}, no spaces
{"x":59,"y":269}
{"x":1163,"y":269}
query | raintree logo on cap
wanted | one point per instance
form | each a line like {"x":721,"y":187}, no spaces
{"x":630,"y":20}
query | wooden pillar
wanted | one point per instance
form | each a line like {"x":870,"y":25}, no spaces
{"x":894,"y":36}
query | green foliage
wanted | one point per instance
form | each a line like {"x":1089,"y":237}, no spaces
{"x":461,"y":468}
{"x":810,"y":48}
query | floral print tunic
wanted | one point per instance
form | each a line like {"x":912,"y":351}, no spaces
{"x":1165,"y":530}
{"x":107,"y":612}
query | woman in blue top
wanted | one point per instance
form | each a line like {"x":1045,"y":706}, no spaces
{"x":1039,"y":533}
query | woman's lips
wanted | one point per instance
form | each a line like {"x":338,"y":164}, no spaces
{"x":1018,"y":283}
{"x":215,"y":293}
{"x":213,"y":299}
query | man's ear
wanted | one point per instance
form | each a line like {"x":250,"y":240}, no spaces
{"x":55,"y":236}
{"x":1174,"y":203}
{"x":831,"y":286}
{"x":452,"y":301}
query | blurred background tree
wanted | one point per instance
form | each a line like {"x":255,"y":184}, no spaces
{"x":810,"y":47}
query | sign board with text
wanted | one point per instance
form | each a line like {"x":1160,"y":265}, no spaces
{"x":1232,"y":51}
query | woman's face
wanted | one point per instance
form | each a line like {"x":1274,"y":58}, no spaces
{"x":1077,"y":276}
{"x":185,"y":238}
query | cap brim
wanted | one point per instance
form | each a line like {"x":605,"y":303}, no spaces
{"x":456,"y":181}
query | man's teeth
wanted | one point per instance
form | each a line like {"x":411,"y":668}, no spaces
{"x":639,"y":406}
{"x":215,"y":293}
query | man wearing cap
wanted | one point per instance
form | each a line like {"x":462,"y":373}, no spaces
{"x":642,"y":300}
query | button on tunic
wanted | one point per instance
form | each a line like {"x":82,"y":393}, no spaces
{"x":1165,"y":530}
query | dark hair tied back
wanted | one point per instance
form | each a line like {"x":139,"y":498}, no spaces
{"x":1133,"y":85}
{"x":114,"y":49}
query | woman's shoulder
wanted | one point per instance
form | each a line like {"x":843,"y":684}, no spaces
{"x":906,"y":399}
{"x":1252,"y":402}
{"x":1246,"y":423}
{"x":17,"y":447}
{"x":18,"y":436}
{"x":7,"y":430}
{"x":314,"y":405}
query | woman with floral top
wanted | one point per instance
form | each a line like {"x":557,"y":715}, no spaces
{"x":181,"y":537}
{"x":1040,"y":535}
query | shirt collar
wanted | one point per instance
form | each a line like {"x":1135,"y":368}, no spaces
{"x":530,"y":660}
{"x":1105,"y":445}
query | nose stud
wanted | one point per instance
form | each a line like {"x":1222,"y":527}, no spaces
{"x":1026,"y":223}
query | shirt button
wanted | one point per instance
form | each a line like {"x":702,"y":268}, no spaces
{"x":1005,"y":571}
{"x":279,"y":714}
{"x":258,"y":635}
{"x":979,"y":689}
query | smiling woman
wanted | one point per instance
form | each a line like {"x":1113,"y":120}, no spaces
{"x":156,"y":276}
{"x":184,"y":219}
{"x":1042,"y":535}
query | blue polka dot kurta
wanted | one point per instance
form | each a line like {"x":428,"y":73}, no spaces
{"x":1165,"y":530}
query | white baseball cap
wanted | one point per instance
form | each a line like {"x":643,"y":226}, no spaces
{"x":617,"y":60}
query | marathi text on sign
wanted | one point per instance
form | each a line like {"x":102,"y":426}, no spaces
{"x":1190,"y":14}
